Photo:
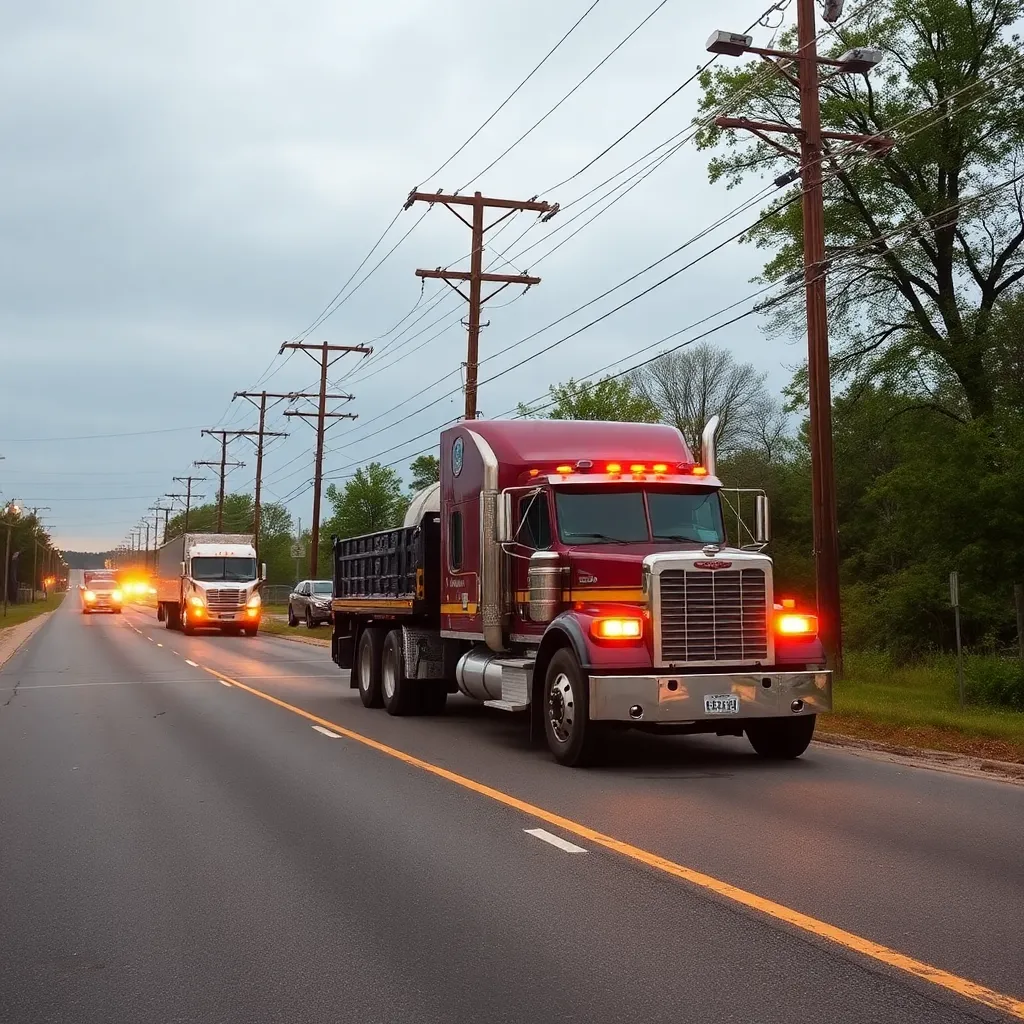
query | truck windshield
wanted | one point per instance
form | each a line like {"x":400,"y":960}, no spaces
{"x":213,"y":570}
{"x":638,"y":516}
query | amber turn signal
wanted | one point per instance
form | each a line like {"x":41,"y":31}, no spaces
{"x":794,"y":624}
{"x":617,"y":629}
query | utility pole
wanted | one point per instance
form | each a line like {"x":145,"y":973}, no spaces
{"x":156,"y":510}
{"x":261,"y":433}
{"x":10,"y":510}
{"x":145,"y":557}
{"x":475,"y":275}
{"x":322,"y":415}
{"x":813,"y":149}
{"x":225,"y":435}
{"x":187,"y":480}
{"x":35,"y":547}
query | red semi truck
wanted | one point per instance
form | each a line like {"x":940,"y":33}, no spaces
{"x":579,"y":572}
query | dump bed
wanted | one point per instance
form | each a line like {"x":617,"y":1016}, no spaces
{"x":393,"y":572}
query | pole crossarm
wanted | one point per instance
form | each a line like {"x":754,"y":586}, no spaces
{"x":476,"y":276}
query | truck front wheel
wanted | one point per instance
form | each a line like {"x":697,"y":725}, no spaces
{"x":781,"y":739}
{"x":400,"y":694}
{"x":367,"y":667}
{"x":571,"y":736}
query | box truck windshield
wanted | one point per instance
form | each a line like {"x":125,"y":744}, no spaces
{"x":215,"y":570}
{"x":637,"y":516}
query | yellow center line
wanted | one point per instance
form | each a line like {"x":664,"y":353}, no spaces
{"x":804,"y":922}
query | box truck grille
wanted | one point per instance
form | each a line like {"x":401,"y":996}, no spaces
{"x":224,"y":600}
{"x":709,"y":616}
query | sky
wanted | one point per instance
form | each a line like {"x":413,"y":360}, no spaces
{"x":185,"y":186}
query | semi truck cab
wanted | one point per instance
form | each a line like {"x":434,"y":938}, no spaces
{"x":582,"y":572}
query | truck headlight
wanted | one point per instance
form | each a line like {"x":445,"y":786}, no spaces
{"x":196,"y":601}
{"x":254,"y":602}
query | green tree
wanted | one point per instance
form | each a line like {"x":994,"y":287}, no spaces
{"x":371,"y":500}
{"x":610,"y":399}
{"x":426,"y":470}
{"x":910,"y":305}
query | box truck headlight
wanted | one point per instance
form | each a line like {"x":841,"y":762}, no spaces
{"x":255,"y":601}
{"x":116,"y":596}
{"x":196,"y":601}
{"x":90,"y":597}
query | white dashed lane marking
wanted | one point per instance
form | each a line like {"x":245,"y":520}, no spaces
{"x":549,"y":837}
{"x":326,"y":732}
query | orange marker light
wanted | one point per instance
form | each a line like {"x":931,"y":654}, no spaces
{"x":699,"y":471}
{"x":660,"y":467}
{"x":564,"y":470}
{"x":638,"y":467}
{"x":788,"y":602}
{"x":534,"y":472}
{"x":617,"y":629}
{"x":614,"y":467}
{"x":792,"y":624}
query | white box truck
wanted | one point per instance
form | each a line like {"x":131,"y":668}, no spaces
{"x":210,"y":580}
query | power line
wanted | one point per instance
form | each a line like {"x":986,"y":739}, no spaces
{"x":501,"y":106}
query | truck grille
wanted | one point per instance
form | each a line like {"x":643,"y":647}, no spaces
{"x":224,"y":600}
{"x":711,"y":616}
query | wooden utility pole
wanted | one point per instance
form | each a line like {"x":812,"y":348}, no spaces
{"x":322,"y":416}
{"x":805,"y":61}
{"x":187,"y":480}
{"x":261,"y":433}
{"x":475,"y":275}
{"x":225,"y":436}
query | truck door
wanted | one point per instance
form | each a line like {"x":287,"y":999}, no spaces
{"x":533,"y":534}
{"x":461,"y":483}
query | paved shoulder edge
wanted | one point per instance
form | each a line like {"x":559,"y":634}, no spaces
{"x":12,"y":638}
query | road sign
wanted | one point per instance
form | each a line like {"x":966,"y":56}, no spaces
{"x":298,"y":550}
{"x":954,"y":590}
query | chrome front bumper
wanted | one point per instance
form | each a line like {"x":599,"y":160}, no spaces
{"x":679,"y":699}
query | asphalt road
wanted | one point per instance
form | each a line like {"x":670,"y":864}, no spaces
{"x":176,"y":848}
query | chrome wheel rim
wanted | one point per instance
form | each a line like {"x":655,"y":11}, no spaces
{"x":561,"y":707}
{"x":388,"y":681}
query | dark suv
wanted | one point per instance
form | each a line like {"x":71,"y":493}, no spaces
{"x":310,"y":602}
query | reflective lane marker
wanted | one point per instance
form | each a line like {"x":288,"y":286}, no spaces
{"x":159,"y":645}
{"x":150,"y":639}
{"x":963,"y":987}
{"x":225,"y":683}
{"x":192,"y":663}
{"x":326,"y":732}
{"x":548,"y":837}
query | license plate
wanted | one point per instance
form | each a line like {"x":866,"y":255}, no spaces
{"x":227,"y":615}
{"x":722,"y":704}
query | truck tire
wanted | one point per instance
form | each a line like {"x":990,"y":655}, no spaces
{"x":250,"y":630}
{"x":781,"y":739}
{"x":401,"y":695}
{"x":186,"y":627}
{"x":433,"y":697}
{"x":172,"y":617}
{"x":572,"y":737}
{"x":292,"y":621}
{"x":367,"y":667}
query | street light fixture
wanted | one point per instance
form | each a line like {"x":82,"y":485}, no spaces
{"x":860,"y":60}
{"x":731,"y":44}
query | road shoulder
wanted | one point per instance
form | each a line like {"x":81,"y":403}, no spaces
{"x":12,"y":638}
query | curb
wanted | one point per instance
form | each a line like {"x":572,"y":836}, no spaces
{"x":922,"y":757}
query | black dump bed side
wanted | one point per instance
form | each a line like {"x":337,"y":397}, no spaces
{"x":402,"y":566}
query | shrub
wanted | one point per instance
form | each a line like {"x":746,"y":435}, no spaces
{"x":994,"y":681}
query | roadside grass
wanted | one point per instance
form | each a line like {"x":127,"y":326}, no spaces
{"x":18,"y":613}
{"x":916,"y":706}
{"x":320,"y":635}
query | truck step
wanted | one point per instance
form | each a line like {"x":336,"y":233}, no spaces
{"x":506,"y":705}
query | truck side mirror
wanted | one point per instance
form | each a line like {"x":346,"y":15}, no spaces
{"x":762,"y":519}
{"x":183,"y":569}
{"x":263,"y":571}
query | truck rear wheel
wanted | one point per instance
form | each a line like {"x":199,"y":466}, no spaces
{"x":401,"y":695}
{"x":172,"y":616}
{"x":572,"y":737}
{"x":367,"y":667}
{"x":781,"y":739}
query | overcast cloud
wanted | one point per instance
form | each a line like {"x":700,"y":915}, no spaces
{"x":185,"y":185}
